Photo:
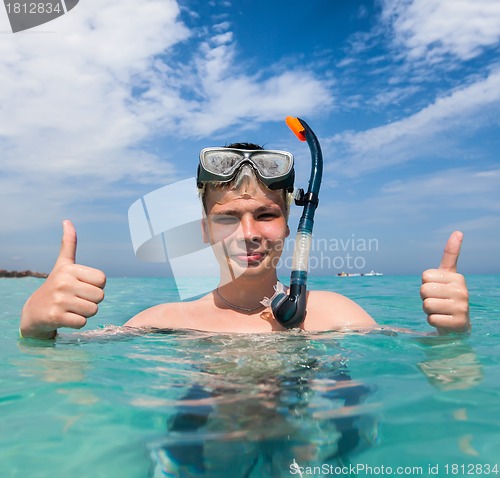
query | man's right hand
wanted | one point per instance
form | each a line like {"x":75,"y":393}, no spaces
{"x":67,"y":298}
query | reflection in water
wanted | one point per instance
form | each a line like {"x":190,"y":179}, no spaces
{"x":252,"y":405}
{"x":451,"y":363}
{"x":266,"y":404}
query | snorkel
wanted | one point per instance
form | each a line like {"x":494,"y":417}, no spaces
{"x":290,"y":310}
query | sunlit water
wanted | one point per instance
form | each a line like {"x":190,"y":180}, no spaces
{"x":114,"y":404}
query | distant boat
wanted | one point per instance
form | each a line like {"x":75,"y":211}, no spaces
{"x":372,"y":273}
{"x":367,"y":274}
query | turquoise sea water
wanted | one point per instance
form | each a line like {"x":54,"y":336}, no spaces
{"x":114,"y":404}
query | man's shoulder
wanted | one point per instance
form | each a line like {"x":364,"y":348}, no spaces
{"x":164,"y":316}
{"x":325,"y":297}
{"x":330,"y":310}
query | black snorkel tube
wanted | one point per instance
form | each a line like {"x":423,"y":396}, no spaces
{"x":290,"y":310}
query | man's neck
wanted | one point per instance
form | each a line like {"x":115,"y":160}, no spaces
{"x":248,"y":292}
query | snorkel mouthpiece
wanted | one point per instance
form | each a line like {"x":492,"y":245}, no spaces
{"x":290,"y":310}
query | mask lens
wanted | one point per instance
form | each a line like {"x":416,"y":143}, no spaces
{"x":272,"y":165}
{"x":221,"y":162}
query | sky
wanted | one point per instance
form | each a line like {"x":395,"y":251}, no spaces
{"x":115,"y":99}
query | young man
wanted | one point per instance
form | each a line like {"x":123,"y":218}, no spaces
{"x":246,"y":211}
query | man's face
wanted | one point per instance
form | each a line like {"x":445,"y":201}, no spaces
{"x":247,"y":227}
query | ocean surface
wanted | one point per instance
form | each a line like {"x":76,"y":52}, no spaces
{"x":104,"y":403}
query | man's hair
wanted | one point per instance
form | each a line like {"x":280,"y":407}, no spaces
{"x":248,"y":146}
{"x":251,"y":147}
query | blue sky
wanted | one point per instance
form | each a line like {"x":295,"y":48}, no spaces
{"x":116,"y":98}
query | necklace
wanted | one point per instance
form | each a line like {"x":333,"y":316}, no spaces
{"x":237,"y":307}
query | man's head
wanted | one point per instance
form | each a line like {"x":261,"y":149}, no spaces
{"x":239,"y":165}
{"x":246,"y":193}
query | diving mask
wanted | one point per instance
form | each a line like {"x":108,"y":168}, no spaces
{"x":273,"y":168}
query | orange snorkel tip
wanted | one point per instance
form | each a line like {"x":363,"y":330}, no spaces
{"x":296,"y":126}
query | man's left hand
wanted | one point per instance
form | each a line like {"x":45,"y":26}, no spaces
{"x":444,"y":292}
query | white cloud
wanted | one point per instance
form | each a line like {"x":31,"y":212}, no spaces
{"x":80,"y":97}
{"x":463,"y":188}
{"x":413,"y":217}
{"x":483,"y":223}
{"x":222,"y":26}
{"x":433,"y":29}
{"x":68,"y":94}
{"x":362,"y":12}
{"x":228,"y":96}
{"x":68,"y":126}
{"x":392,"y":96}
{"x":460,"y":114}
{"x":453,"y":198}
{"x":348,"y":61}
